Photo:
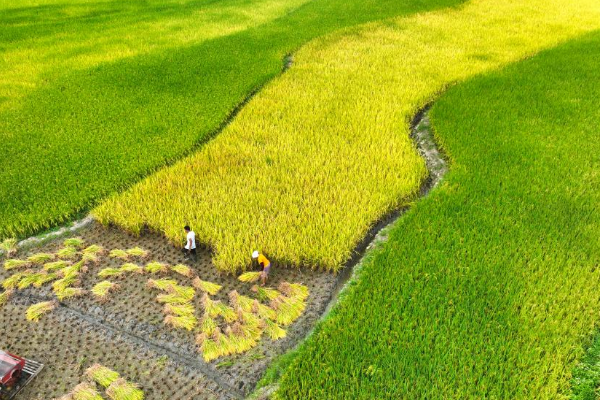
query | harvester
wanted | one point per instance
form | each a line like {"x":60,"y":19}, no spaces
{"x":15,"y":373}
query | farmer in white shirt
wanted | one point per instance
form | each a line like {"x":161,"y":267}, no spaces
{"x":190,"y":243}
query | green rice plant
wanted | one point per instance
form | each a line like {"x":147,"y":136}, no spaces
{"x":8,"y":247}
{"x":133,"y":268}
{"x":161,"y":284}
{"x":188,"y":322}
{"x":101,"y":375}
{"x":288,"y":309}
{"x":40,"y":258}
{"x":273,"y":330}
{"x":137,"y":252}
{"x":226,"y":312}
{"x":12,"y":281}
{"x":118,"y":253}
{"x":211,"y":309}
{"x":35,"y":311}
{"x":74,"y":242}
{"x":45,"y":277}
{"x":205,"y":286}
{"x":85,"y":391}
{"x":294,"y":290}
{"x":182,"y":269}
{"x":207,"y":325}
{"x":5,"y":296}
{"x":56,"y":265}
{"x":181,"y":310}
{"x":67,"y":253}
{"x":156,"y":267}
{"x":265,"y":294}
{"x":110,"y":272}
{"x":263,"y":311}
{"x":14,"y":263}
{"x":123,"y":390}
{"x":249,"y":277}
{"x":69,"y":292}
{"x":173,"y":298}
{"x":102,"y":289}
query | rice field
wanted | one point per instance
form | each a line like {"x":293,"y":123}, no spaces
{"x":94,"y":95}
{"x":323,"y":152}
{"x":487,"y":288}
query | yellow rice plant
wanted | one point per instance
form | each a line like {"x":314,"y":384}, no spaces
{"x":184,"y":291}
{"x":205,"y":286}
{"x":56,"y":265}
{"x":61,"y":284}
{"x":102,"y":289}
{"x":156,"y":267}
{"x":161,"y":284}
{"x":85,"y":391}
{"x":239,"y":301}
{"x":119,"y":253}
{"x":90,"y":258}
{"x":35,"y":312}
{"x":67,"y":253}
{"x":132,"y":268}
{"x":75,"y":242}
{"x":12,"y":282}
{"x":226,"y":312}
{"x":263,"y":311}
{"x":207,"y":325}
{"x":124,"y":390}
{"x":181,"y":310}
{"x":71,"y":270}
{"x":294,"y":290}
{"x":9,"y":247}
{"x":5,"y":296}
{"x":137,"y":252}
{"x":173,"y":298}
{"x":69,"y":292}
{"x":250,"y":277}
{"x":324,"y":151}
{"x":210,"y":306}
{"x":188,"y":322}
{"x":102,"y":375}
{"x":265,"y":293}
{"x":14,"y":263}
{"x":273,"y":330}
{"x":45,"y":277}
{"x":93,"y":249}
{"x":31,"y":279}
{"x":288,"y":309}
{"x":238,"y":342}
{"x":41,"y":258}
{"x":182,"y":269}
{"x":208,"y":347}
{"x":110,"y":272}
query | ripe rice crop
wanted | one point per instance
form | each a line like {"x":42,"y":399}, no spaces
{"x":207,"y":325}
{"x":249,"y":277}
{"x":205,"y":286}
{"x":40,"y":258}
{"x":174,"y":298}
{"x":179,"y":309}
{"x":13,"y":281}
{"x":45,"y":277}
{"x":102,"y":375}
{"x":124,"y":390}
{"x":30,"y":279}
{"x":93,"y":249}
{"x":102,"y":289}
{"x":265,"y":293}
{"x":8,"y":246}
{"x":74,"y":242}
{"x":308,"y":188}
{"x":187,"y":322}
{"x":56,"y":265}
{"x":85,"y":391}
{"x":161,"y":284}
{"x":110,"y":272}
{"x":119,"y":253}
{"x":138,"y":252}
{"x":67,"y":253}
{"x":273,"y":330}
{"x":182,"y":270}
{"x":5,"y":296}
{"x":133,"y":268}
{"x":156,"y":267}
{"x":35,"y":311}
{"x":67,"y":293}
{"x":13,"y":263}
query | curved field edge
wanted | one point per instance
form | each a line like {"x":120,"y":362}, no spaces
{"x":111,"y":103}
{"x":323,"y":152}
{"x":488,"y":287}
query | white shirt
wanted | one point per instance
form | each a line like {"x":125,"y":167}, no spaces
{"x":190,"y":236}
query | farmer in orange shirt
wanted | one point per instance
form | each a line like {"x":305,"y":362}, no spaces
{"x":265,"y":264}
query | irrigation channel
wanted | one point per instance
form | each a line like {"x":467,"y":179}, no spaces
{"x":134,"y":318}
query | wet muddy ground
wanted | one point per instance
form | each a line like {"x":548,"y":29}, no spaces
{"x":85,"y":329}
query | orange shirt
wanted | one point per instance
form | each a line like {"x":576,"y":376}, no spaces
{"x":262,"y":260}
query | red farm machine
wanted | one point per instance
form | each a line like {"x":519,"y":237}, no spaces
{"x":15,"y":373}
